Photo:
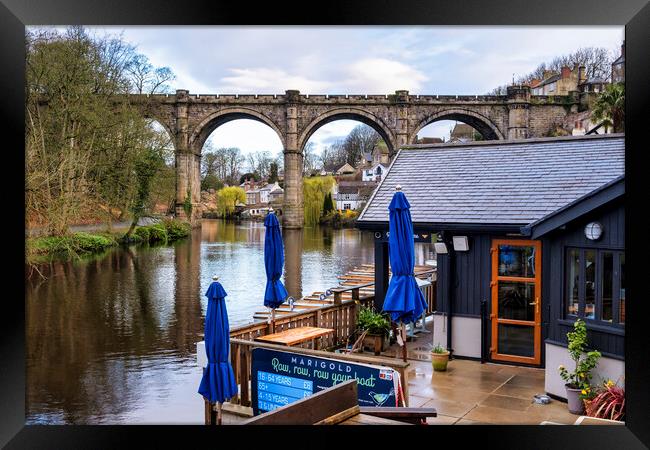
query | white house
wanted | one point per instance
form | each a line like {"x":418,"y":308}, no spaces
{"x":373,"y":173}
{"x":269,"y":191}
{"x":347,"y":197}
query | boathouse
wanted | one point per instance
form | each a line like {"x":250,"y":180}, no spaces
{"x":529,"y":235}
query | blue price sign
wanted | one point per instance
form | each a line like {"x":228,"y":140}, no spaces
{"x":280,"y":378}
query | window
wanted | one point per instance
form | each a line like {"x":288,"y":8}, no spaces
{"x":346,"y":205}
{"x":595,"y":284}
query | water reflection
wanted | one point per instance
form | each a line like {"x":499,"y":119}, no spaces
{"x":111,"y":339}
{"x":293,"y":248}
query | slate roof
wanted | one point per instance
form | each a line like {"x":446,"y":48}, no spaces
{"x":497,"y":182}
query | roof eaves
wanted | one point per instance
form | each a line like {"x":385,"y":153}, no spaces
{"x":577,"y":208}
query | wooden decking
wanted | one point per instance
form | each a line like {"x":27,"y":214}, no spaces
{"x":363,"y":275}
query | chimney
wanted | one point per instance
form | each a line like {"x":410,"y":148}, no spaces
{"x":581,"y":75}
{"x":566,"y":72}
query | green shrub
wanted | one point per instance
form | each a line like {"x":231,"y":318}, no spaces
{"x":157,"y":233}
{"x":141,"y":234}
{"x":90,"y":243}
{"x":69,"y":246}
{"x":176,"y":229}
{"x":375,"y":323}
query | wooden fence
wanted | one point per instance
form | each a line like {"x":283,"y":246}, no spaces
{"x":341,"y":316}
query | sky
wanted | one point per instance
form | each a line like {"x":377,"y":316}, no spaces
{"x":350,"y":60}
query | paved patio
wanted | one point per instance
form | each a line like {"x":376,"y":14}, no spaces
{"x":471,"y":393}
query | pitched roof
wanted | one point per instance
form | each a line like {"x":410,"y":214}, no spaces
{"x":510,"y":183}
{"x":348,"y":190}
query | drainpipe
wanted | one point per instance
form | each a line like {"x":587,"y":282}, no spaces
{"x":451,"y":286}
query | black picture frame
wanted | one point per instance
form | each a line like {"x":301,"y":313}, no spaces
{"x":15,"y":14}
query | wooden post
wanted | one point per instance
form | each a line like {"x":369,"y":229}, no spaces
{"x":355,"y":294}
{"x":219,"y":413}
{"x":404,"y":341}
{"x":381,"y":273}
{"x":210,"y":418}
{"x":243,"y":368}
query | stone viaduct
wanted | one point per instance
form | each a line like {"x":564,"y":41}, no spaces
{"x":398,"y":118}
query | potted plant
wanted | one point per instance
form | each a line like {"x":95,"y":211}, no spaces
{"x":608,"y":402}
{"x":439,"y":358}
{"x":376,"y":326}
{"x":577,"y":382}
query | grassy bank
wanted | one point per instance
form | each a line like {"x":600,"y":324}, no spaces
{"x":76,"y":245}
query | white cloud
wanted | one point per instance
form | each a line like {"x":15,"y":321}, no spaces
{"x":265,"y":80}
{"x":381,"y":76}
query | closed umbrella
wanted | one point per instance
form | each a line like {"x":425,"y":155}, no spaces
{"x":275,"y":292}
{"x":404,"y":300}
{"x":218,"y":383}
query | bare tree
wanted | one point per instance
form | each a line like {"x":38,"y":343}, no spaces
{"x":147,"y":79}
{"x":597,"y":62}
{"x":362,"y":139}
{"x":309,"y":159}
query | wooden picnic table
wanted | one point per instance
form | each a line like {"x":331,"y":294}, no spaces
{"x":294,"y":336}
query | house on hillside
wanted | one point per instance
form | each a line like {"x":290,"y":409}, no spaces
{"x":373,"y":173}
{"x":345,"y":169}
{"x":352,"y":194}
{"x":531,"y":237}
{"x":618,"y":67}
{"x":269,"y":190}
{"x":558,"y":83}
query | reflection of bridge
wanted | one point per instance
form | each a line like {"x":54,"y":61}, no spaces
{"x":397,"y":118}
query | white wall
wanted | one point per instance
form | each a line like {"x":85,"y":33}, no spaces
{"x":466,"y":334}
{"x":607,"y":368}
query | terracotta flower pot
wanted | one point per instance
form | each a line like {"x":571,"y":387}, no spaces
{"x":575,"y":403}
{"x":439,"y":361}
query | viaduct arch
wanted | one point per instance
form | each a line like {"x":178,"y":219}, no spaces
{"x":294,"y":117}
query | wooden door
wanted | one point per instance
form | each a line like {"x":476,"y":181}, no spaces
{"x":516,"y":312}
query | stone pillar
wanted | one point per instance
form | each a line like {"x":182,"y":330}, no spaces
{"x":401,"y":120}
{"x":188,"y":165}
{"x":293,"y":211}
{"x":518,"y":105}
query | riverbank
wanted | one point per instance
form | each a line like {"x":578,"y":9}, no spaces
{"x":337,"y":219}
{"x":73,"y":245}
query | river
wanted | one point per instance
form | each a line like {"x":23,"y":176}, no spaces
{"x":111,"y":339}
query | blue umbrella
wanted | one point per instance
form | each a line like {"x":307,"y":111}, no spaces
{"x":218,"y":383}
{"x":404,"y":300}
{"x":275,"y":292}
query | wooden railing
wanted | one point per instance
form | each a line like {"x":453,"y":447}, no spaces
{"x":241,"y":357}
{"x":341,"y":316}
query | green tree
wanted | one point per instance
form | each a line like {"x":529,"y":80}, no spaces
{"x":211,"y":182}
{"x":314,"y":191}
{"x":84,"y":151}
{"x":609,"y":107}
{"x":227,"y":199}
{"x":328,"y":205}
{"x":273,"y":172}
{"x":147,"y":164}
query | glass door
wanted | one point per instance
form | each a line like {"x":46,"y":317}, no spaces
{"x":516,"y":313}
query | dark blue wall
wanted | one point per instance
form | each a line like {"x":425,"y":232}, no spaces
{"x":473,"y":271}
{"x":606,"y":339}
